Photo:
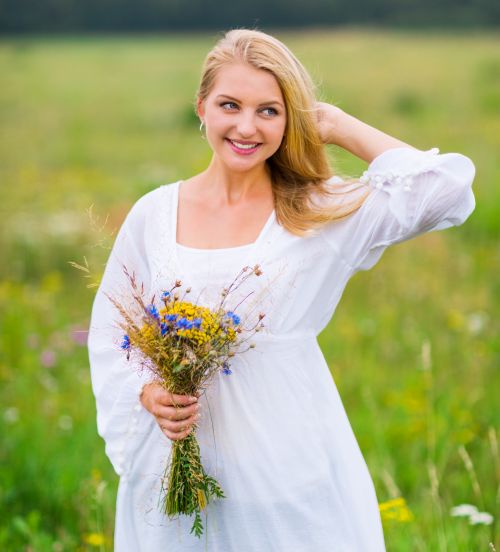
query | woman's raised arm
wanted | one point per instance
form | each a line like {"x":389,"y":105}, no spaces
{"x":362,"y":140}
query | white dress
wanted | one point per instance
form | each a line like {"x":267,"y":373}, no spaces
{"x":274,"y":433}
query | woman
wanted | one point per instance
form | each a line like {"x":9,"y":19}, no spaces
{"x":274,"y":433}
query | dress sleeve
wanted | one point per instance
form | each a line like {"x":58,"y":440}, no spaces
{"x":411,"y":192}
{"x":122,"y":421}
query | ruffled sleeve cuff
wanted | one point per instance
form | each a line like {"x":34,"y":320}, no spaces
{"x":412,"y":192}
{"x":425,"y":190}
{"x":397,"y":167}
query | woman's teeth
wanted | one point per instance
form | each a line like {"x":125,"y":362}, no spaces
{"x":243,"y":146}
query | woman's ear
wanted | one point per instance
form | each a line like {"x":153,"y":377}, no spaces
{"x":200,"y":108}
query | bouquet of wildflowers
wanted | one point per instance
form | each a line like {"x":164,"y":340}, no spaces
{"x":184,"y":345}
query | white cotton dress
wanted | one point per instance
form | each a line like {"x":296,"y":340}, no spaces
{"x":274,"y":432}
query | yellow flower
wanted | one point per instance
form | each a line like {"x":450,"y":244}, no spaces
{"x":455,"y":319}
{"x":94,"y":539}
{"x":395,"y":510}
{"x":96,"y":475}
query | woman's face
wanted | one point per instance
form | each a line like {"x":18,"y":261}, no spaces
{"x":244,"y":115}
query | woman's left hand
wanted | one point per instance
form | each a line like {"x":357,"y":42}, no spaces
{"x":327,"y":116}
{"x":338,"y":127}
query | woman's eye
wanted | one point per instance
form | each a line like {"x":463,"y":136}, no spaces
{"x":228,"y":106}
{"x":231,"y":104}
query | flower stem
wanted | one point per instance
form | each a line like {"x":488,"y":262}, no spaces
{"x":188,"y":487}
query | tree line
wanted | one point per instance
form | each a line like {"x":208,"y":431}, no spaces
{"x":25,"y":16}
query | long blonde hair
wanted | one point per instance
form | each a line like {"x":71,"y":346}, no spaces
{"x":300,"y":167}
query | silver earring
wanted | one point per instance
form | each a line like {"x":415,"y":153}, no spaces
{"x":201,"y":130}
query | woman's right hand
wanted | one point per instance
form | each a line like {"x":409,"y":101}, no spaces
{"x":175,"y":414}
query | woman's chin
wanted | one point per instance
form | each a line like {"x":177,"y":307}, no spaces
{"x":242,"y":165}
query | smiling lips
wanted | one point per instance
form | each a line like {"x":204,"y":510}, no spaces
{"x":243,"y":147}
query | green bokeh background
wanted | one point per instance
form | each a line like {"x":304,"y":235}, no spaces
{"x":89,"y":124}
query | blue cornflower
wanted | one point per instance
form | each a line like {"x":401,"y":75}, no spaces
{"x":165,"y":295}
{"x":125,"y":343}
{"x":153,"y":311}
{"x":181,"y":323}
{"x":234,"y":317}
{"x":163,"y":328}
{"x":197,"y":323}
{"x":226,"y":370}
{"x":170,"y":317}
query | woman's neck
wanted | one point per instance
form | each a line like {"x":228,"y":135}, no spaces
{"x":230,"y":187}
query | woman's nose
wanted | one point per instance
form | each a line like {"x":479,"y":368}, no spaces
{"x":246,"y":125}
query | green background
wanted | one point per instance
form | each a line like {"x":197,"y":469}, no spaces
{"x":89,"y":124}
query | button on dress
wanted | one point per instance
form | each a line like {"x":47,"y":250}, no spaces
{"x":274,"y":432}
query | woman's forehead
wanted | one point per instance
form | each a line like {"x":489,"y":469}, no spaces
{"x":239,"y":81}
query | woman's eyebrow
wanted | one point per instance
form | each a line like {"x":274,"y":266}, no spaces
{"x":235,"y":100}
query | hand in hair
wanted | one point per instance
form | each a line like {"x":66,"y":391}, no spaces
{"x":362,"y":140}
{"x":327,"y":116}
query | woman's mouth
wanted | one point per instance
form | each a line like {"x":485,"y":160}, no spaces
{"x":243,"y":148}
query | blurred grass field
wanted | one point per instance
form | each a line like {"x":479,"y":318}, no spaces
{"x":414,"y":346}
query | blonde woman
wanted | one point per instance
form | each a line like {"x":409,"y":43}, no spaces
{"x":273,"y":432}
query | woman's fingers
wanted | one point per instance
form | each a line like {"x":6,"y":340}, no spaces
{"x":174,"y":412}
{"x":177,"y":436}
{"x":178,"y":429}
{"x":180,"y":425}
{"x":177,"y":422}
{"x":177,"y":400}
{"x":327,"y":116}
{"x":160,"y":395}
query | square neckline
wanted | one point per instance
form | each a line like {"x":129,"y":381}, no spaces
{"x":248,"y":246}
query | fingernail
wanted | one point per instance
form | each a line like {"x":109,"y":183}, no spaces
{"x":193,"y":399}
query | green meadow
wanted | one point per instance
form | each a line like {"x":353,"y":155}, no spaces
{"x":89,"y":124}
